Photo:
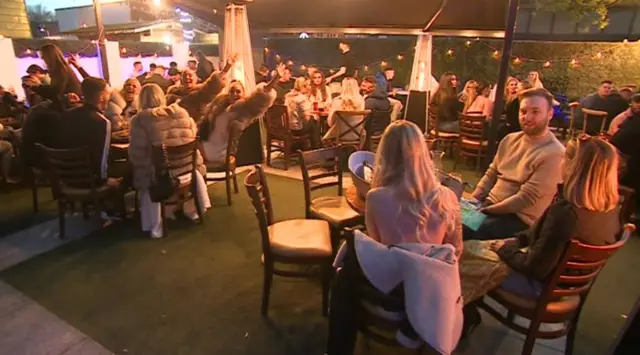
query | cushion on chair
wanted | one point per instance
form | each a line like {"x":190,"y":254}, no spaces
{"x":563,"y":305}
{"x":219,"y":166}
{"x":444,"y":134}
{"x":335,"y":210}
{"x":301,"y":238}
{"x":474,"y":142}
{"x":81,"y":193}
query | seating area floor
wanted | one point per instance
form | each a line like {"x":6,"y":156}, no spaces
{"x":198,"y":291}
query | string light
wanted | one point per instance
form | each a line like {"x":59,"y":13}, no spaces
{"x":598,"y":55}
{"x":28,"y":51}
{"x":383,"y":63}
{"x":496,"y":54}
{"x":625,"y":41}
{"x":547,"y":64}
{"x":290,"y":62}
{"x":366,"y":68}
{"x":123,"y":50}
{"x":400,"y":57}
{"x":303,"y":67}
{"x":215,"y":11}
{"x":574,"y":62}
{"x":278,"y":57}
{"x":468,"y":44}
{"x":517,"y":61}
{"x":266,"y":50}
{"x":450,"y":52}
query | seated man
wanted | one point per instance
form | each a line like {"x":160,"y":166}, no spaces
{"x":374,"y":100}
{"x":522,"y":179}
{"x":627,"y":140}
{"x":86,"y":126}
{"x":604,"y":100}
{"x":632,"y":111}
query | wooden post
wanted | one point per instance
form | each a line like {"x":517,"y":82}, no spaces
{"x":102,"y":52}
{"x":502,"y":77}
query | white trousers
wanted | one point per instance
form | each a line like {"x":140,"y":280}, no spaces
{"x":150,"y":211}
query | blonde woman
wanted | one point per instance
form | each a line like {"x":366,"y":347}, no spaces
{"x":469,"y":94}
{"x":157,"y":124}
{"x":349,"y":100}
{"x":586,"y":209}
{"x":407,"y":203}
{"x":301,"y":121}
{"x":534,"y":79}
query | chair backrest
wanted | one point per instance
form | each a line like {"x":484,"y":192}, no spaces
{"x":370,"y":300}
{"x":591,"y":115}
{"x":627,"y":203}
{"x":182,"y":159}
{"x":472,"y":127}
{"x":578,"y":268}
{"x":573,"y":109}
{"x":277,"y":121}
{"x":316,"y":159}
{"x":256,"y":184}
{"x":350,"y":125}
{"x":69,"y":168}
{"x":374,"y":126}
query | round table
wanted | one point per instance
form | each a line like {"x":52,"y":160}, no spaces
{"x":358,"y":204}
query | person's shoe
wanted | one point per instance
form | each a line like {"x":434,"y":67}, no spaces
{"x":156,"y":233}
{"x":109,"y":216}
{"x":193,"y":215}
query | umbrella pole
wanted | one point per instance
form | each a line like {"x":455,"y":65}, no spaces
{"x":502,"y":77}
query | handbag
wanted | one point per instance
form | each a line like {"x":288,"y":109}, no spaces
{"x":163,"y":183}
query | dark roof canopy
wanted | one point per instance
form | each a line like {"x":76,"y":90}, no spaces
{"x":486,"y":16}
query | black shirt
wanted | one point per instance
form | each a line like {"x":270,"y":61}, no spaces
{"x":348,"y":62}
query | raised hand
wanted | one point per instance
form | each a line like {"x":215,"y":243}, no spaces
{"x":73,"y":61}
{"x":230,"y":62}
{"x":280,"y":69}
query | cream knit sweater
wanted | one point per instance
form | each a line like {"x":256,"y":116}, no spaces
{"x":523,"y":176}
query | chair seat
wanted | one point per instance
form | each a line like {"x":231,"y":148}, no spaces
{"x":335,"y":210}
{"x":220,"y":166}
{"x":526,"y":306}
{"x":472,"y":142}
{"x":85,"y":194}
{"x":300,"y":238}
{"x":444,"y":134}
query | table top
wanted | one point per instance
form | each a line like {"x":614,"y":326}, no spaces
{"x":351,"y":194}
{"x":120,"y":145}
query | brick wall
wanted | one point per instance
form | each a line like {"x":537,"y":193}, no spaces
{"x":13,"y":19}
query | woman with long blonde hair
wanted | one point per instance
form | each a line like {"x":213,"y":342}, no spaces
{"x":534,"y":79}
{"x":586,"y":209}
{"x":469,"y":94}
{"x":407,"y":203}
{"x":349,"y":100}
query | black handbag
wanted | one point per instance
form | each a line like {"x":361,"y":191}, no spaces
{"x":163,"y":183}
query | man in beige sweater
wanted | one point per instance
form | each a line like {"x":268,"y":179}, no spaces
{"x":522,"y":179}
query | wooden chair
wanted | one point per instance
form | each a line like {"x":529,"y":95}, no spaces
{"x":333,"y":209}
{"x":292,"y":242}
{"x":374,"y":325}
{"x":348,"y":129}
{"x":563,"y":296}
{"x":279,"y":136}
{"x":573,"y":109}
{"x":627,"y":203}
{"x":35,"y":178}
{"x":228,"y":166}
{"x":374,"y":126}
{"x":183,"y":163}
{"x":591,"y":116}
{"x":443,"y":140}
{"x":73,"y":180}
{"x":472,"y":141}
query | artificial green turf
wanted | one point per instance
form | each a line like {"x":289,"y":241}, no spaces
{"x":16,"y":209}
{"x":198,"y":290}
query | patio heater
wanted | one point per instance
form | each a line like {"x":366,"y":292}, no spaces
{"x":102,"y":51}
{"x":238,"y":41}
